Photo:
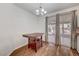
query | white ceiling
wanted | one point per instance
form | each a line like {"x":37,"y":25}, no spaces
{"x":49,"y":7}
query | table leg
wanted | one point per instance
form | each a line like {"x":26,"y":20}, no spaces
{"x":41,"y":41}
{"x":28,"y":42}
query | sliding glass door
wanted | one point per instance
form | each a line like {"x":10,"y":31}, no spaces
{"x":65,"y":29}
{"x":65,"y":34}
{"x":51,"y":29}
{"x":60,"y":29}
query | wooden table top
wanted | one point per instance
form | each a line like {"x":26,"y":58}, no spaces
{"x":33,"y":35}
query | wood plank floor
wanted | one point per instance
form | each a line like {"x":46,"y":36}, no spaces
{"x":47,"y":50}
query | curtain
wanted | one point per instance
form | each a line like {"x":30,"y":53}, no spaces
{"x":74,"y":26}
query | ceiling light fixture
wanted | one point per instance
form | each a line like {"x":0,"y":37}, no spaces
{"x":40,"y":11}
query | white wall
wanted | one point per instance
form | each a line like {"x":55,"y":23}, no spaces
{"x":41,"y":23}
{"x":65,"y":10}
{"x":13,"y":23}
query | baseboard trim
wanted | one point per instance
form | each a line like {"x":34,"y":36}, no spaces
{"x":18,"y":49}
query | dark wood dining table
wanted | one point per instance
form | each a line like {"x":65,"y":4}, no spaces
{"x":34,"y":40}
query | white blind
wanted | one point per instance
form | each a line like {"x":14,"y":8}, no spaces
{"x":66,"y":17}
{"x":51,"y":20}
